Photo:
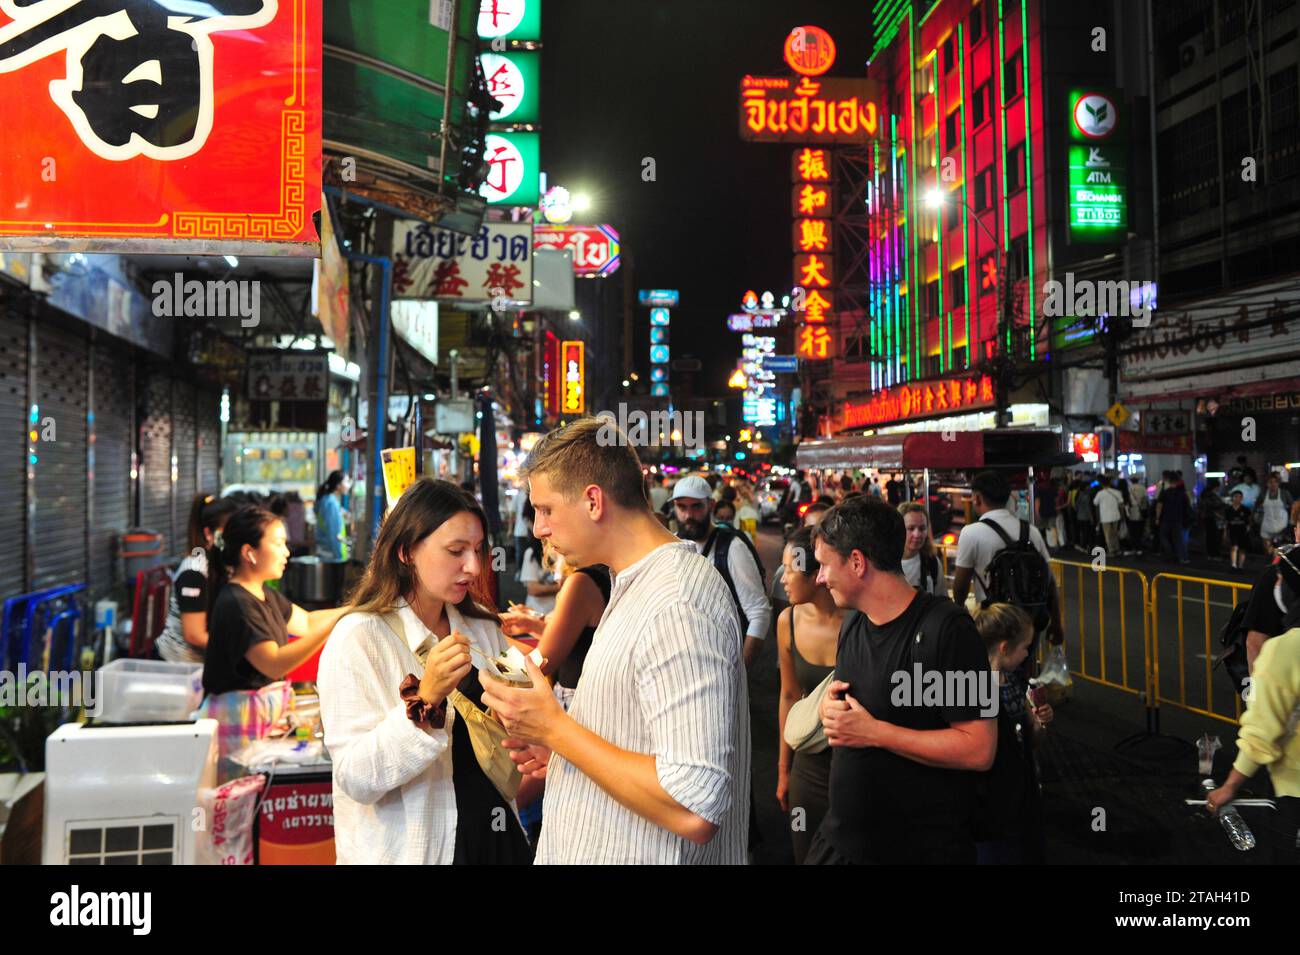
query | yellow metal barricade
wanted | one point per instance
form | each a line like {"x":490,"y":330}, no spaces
{"x":1102,"y":644}
{"x":1172,"y":654}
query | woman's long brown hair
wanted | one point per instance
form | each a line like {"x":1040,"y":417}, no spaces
{"x":424,"y":507}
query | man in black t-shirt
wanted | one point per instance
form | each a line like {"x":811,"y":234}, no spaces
{"x":911,"y":713}
{"x":1271,"y":599}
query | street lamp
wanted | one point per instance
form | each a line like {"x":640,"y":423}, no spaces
{"x":581,"y":202}
{"x":575,"y":315}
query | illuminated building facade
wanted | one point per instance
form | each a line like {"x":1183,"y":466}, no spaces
{"x":1007,"y":155}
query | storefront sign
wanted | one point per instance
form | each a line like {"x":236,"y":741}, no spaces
{"x":288,"y":376}
{"x":139,"y":126}
{"x":595,"y":247}
{"x":431,"y":263}
{"x":748,"y":321}
{"x":417,"y":322}
{"x":920,"y":400}
{"x":574,"y":400}
{"x":815,"y":342}
{"x":809,"y":51}
{"x":1133,"y":442}
{"x":659,"y":297}
{"x":1157,"y":421}
{"x":1098,"y":194}
{"x":510,"y":19}
{"x":782,"y":109}
{"x":1086,"y":446}
{"x":514,"y":169}
{"x":512,"y":80}
{"x":1253,"y":326}
{"x":295,"y":824}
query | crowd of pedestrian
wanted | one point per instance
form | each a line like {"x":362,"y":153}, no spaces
{"x":907,"y":724}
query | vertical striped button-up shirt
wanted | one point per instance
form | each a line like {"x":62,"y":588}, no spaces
{"x":663,"y":677}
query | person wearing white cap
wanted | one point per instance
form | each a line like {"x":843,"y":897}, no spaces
{"x":731,"y":553}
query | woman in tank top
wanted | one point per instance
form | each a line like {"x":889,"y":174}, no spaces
{"x":807,"y":634}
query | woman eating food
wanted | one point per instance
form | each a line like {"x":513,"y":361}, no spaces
{"x":400,"y":701}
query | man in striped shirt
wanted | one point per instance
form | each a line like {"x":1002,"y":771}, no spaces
{"x":651,"y":763}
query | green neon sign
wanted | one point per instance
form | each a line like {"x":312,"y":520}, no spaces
{"x":1098,"y":177}
{"x":512,"y":80}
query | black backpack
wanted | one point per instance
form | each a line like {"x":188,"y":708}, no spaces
{"x":1018,"y":575}
{"x":719,"y":547}
{"x":1233,"y":640}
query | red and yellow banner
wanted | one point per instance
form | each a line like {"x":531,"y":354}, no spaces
{"x":132,"y":127}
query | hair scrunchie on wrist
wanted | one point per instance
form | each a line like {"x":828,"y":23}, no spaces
{"x":418,"y":711}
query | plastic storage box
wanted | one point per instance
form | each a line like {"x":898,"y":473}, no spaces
{"x":149,"y":691}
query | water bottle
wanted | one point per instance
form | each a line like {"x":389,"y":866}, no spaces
{"x":1239,"y":833}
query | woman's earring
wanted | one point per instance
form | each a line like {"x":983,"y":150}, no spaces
{"x":253,"y":559}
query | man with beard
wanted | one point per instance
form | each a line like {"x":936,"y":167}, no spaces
{"x":731,"y":553}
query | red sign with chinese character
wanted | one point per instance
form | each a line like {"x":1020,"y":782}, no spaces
{"x":813,"y":235}
{"x":138,"y":125}
{"x":814,"y":342}
{"x":811,"y":164}
{"x":923,"y":399}
{"x":814,"y":271}
{"x":812,"y":201}
{"x":809,"y":50}
{"x":775,"y":109}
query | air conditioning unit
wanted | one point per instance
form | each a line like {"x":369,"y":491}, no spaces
{"x":1189,"y":51}
{"x":126,"y":795}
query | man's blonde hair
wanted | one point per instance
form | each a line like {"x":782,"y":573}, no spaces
{"x":585,"y":452}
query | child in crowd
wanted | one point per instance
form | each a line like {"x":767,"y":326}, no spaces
{"x":1237,"y":519}
{"x":1009,"y":825}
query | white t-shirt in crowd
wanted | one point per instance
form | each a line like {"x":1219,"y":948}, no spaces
{"x":1109,"y":503}
{"x":531,"y":571}
{"x":976,"y":545}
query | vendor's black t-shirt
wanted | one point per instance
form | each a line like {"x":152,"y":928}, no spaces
{"x":1262,"y":612}
{"x":237,"y":622}
{"x":885,"y":808}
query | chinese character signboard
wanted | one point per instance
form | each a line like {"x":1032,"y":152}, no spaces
{"x":595,"y":247}
{"x":514,"y":169}
{"x":814,"y":342}
{"x":922,"y":400}
{"x":781,"y":109}
{"x":512,"y":80}
{"x":433,"y":263}
{"x":809,"y":51}
{"x":138,"y":126}
{"x":573,"y":398}
{"x":1098,"y":200}
{"x":510,"y":19}
{"x":759,"y":403}
{"x":286,"y":376}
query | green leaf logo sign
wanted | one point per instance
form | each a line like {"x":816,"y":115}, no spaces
{"x":1094,"y":116}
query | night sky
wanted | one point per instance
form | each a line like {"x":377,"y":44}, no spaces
{"x":626,"y":79}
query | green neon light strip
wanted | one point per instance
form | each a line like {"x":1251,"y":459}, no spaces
{"x":1002,"y":101}
{"x":913,"y":303}
{"x":965,"y":224}
{"x":939,"y":84}
{"x":887,"y":17}
{"x":1029,"y":187}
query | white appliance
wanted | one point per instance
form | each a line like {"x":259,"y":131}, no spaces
{"x":127,"y":795}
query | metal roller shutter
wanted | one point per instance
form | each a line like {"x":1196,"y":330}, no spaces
{"x":112,"y":513}
{"x":13,"y":447}
{"x":61,"y":467}
{"x":208,"y":423}
{"x":183,"y":446}
{"x":155,"y":457}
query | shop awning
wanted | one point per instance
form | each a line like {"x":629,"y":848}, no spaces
{"x":938,"y":450}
